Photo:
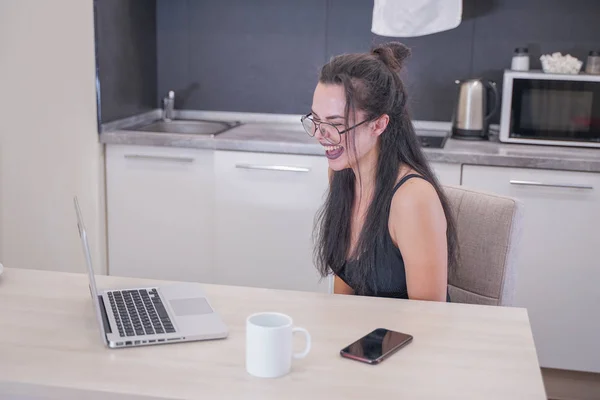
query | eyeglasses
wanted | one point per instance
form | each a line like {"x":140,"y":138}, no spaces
{"x":329,"y":131}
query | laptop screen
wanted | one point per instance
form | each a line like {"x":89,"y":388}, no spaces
{"x":88,"y":260}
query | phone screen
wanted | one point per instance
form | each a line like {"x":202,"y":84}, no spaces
{"x":376,"y":345}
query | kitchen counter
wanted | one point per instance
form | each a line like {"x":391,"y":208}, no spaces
{"x":51,"y":347}
{"x":289,"y":138}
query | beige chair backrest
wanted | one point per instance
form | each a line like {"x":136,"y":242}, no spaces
{"x":489,"y":229}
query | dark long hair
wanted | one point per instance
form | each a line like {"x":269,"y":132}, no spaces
{"x":372,"y":84}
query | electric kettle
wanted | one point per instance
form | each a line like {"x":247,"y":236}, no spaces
{"x":471,"y":119}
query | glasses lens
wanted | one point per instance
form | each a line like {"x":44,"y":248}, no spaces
{"x":309,"y":126}
{"x":330,"y":133}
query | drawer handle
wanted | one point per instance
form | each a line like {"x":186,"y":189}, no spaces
{"x":284,"y":168}
{"x":159,"y":158}
{"x":556,"y":185}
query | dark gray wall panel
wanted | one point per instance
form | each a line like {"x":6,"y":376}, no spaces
{"x":429,"y":73}
{"x":264,"y":56}
{"x":544,"y":26}
{"x":259,"y":56}
{"x":126,"y":57}
{"x":348,"y":26}
{"x":174,"y":45}
{"x":434,"y":66}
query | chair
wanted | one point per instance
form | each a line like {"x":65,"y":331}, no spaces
{"x":488,"y":229}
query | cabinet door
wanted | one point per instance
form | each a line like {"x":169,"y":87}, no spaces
{"x":266,"y":204}
{"x":160,"y":204}
{"x":559,"y":262}
{"x":447,"y":174}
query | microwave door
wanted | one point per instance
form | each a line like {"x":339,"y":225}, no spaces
{"x":552,"y":110}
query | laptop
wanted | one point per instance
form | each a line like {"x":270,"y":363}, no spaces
{"x":143,"y":316}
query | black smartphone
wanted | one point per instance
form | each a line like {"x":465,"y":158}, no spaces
{"x":376,"y":346}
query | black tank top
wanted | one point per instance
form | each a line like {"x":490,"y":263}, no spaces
{"x":390,"y":275}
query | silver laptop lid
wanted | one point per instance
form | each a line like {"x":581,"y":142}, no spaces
{"x":88,"y":260}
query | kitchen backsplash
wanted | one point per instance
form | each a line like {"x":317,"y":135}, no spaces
{"x":125,"y":57}
{"x":264,"y":55}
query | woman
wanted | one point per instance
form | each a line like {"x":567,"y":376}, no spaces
{"x":385,"y":229}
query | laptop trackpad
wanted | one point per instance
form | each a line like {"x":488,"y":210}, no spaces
{"x":193,"y":306}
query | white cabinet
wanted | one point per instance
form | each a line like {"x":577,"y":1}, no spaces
{"x":446,"y":173}
{"x":559,"y":263}
{"x":160,"y":204}
{"x":266,"y":205}
{"x":237,"y":218}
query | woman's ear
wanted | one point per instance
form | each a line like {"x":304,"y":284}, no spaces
{"x":380,"y":124}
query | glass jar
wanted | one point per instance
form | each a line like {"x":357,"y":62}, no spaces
{"x":592,"y":66}
{"x":520,"y":60}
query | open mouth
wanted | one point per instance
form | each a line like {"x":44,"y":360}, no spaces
{"x":333,"y":152}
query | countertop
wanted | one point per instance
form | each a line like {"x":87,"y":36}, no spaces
{"x":289,"y":138}
{"x":51,"y":348}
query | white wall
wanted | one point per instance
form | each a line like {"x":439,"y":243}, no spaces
{"x":49,"y":149}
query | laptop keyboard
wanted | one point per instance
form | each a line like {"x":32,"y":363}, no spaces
{"x":139,"y":312}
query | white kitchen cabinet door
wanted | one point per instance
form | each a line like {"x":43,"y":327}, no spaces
{"x":160,"y":205}
{"x":266,"y":204}
{"x":559,"y":264}
{"x":446,"y":173}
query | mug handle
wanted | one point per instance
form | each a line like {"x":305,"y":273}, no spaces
{"x":307,"y":337}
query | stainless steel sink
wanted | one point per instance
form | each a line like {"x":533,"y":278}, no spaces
{"x":193,"y":127}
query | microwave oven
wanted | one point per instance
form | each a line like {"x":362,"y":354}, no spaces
{"x":550,"y":109}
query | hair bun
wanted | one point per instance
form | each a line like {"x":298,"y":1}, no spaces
{"x":393,"y":54}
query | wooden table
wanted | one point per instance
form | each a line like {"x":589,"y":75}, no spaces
{"x":50,"y":347}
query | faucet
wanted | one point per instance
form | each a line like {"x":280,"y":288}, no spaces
{"x":168,"y":107}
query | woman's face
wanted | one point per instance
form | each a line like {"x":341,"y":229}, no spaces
{"x":329,"y":103}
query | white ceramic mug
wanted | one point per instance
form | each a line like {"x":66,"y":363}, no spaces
{"x":269,"y":344}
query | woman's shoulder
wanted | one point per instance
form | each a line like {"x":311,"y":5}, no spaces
{"x":414,"y":194}
{"x":416,"y":207}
